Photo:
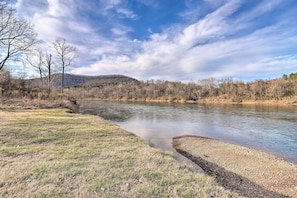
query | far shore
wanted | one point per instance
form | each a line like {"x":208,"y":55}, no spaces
{"x":212,"y":101}
{"x":28,"y":102}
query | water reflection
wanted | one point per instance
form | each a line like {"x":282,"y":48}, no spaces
{"x":268,"y":128}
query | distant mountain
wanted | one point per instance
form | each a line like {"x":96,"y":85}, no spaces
{"x":75,"y":80}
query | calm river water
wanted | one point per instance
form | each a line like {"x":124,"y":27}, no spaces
{"x":269,"y":128}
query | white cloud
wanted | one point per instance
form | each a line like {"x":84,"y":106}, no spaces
{"x":246,"y":18}
{"x":57,"y":9}
{"x":121,"y":30}
{"x":212,"y":46}
{"x":203,"y":50}
{"x":48,"y":18}
{"x":119,"y":7}
{"x":126,"y":13}
{"x":211,"y":27}
{"x":111,"y":4}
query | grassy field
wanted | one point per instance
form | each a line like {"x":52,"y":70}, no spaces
{"x":52,"y":153}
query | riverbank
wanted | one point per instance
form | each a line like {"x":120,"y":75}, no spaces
{"x":249,"y":172}
{"x":289,"y":101}
{"x":35,"y":103}
{"x":52,"y":153}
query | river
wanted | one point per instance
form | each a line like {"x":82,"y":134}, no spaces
{"x":270,"y":128}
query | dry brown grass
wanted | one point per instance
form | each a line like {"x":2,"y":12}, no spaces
{"x":35,"y":103}
{"x":51,"y":153}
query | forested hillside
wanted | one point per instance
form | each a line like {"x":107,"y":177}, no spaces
{"x":216,"y":89}
{"x":75,"y":80}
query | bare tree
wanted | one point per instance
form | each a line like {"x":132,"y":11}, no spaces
{"x":36,"y":60}
{"x":16,"y":35}
{"x":65,"y":54}
{"x":49,"y":66}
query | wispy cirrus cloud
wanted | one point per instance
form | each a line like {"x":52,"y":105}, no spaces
{"x":235,"y":38}
{"x":118,"y":7}
{"x":209,"y":47}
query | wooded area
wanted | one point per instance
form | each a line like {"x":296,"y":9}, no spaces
{"x":225,"y":89}
{"x":156,"y":90}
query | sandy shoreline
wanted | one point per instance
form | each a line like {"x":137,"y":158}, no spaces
{"x":249,"y":172}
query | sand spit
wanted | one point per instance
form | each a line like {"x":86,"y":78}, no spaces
{"x":249,"y":172}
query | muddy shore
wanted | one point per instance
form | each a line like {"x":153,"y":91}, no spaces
{"x":248,"y":172}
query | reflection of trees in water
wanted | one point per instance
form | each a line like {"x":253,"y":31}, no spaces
{"x":271,"y":128}
{"x":114,"y":115}
{"x":106,"y":111}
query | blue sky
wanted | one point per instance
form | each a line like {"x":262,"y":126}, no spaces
{"x":180,"y":40}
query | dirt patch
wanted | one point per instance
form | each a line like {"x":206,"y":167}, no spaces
{"x":249,"y":172}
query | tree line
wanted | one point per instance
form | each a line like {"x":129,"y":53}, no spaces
{"x":218,"y":89}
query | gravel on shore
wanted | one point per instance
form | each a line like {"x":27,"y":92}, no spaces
{"x":249,"y":172}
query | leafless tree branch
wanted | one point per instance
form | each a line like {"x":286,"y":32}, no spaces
{"x":65,"y":54}
{"x":17,"y":36}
